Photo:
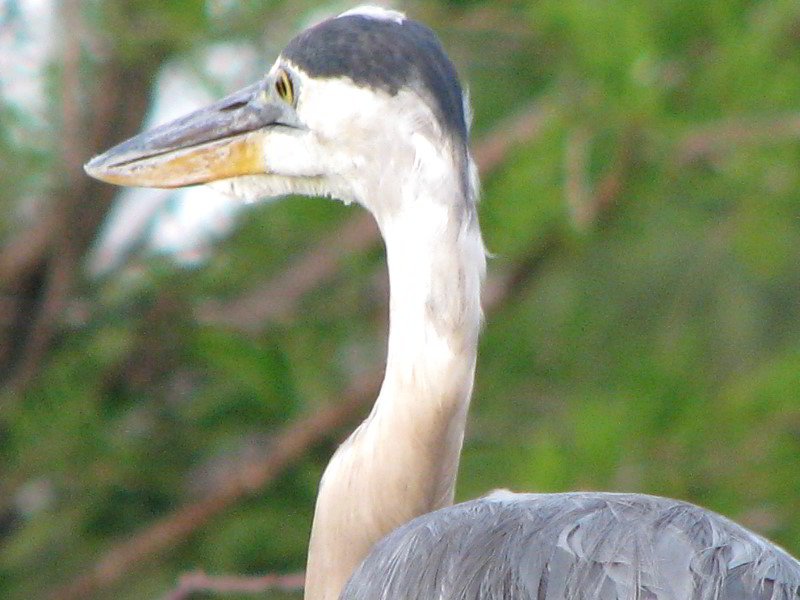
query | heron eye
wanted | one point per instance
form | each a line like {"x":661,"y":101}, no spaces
{"x":283,"y":85}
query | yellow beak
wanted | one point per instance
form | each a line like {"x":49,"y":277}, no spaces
{"x":225,"y":139}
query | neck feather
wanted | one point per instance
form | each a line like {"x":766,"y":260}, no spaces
{"x":402,"y":460}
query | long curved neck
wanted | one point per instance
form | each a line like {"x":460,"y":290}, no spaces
{"x":402,"y":460}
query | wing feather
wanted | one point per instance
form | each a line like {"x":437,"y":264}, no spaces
{"x":575,"y":546}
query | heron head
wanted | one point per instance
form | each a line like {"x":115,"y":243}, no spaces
{"x":347,"y":107}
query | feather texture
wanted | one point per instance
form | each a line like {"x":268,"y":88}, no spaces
{"x":574,"y":546}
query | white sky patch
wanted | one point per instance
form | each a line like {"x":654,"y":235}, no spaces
{"x":27,"y":42}
{"x":235,"y":65}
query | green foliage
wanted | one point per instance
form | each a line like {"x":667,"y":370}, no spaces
{"x":655,"y":352}
{"x":150,"y":29}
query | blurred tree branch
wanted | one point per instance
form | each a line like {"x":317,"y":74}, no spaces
{"x":192,"y":583}
{"x":716,"y":138}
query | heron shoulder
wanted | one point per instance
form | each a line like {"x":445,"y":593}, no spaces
{"x":519,"y":546}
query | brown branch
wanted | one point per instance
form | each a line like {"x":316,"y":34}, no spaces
{"x":27,"y":250}
{"x":276,"y":298}
{"x":195,"y":582}
{"x":576,"y":181}
{"x":522,"y":127}
{"x":73,"y":149}
{"x":708,"y":140}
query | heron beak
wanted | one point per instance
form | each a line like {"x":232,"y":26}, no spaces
{"x":225,"y":139}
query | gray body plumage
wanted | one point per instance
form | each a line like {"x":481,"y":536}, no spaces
{"x":574,"y":546}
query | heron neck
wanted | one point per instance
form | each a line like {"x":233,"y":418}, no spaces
{"x":402,"y":460}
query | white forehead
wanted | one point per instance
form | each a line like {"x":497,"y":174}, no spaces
{"x":327,"y":104}
{"x":375,"y":12}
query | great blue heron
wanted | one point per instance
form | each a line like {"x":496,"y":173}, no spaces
{"x":366,"y":107}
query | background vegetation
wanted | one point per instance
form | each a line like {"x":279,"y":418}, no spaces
{"x":641,"y":196}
